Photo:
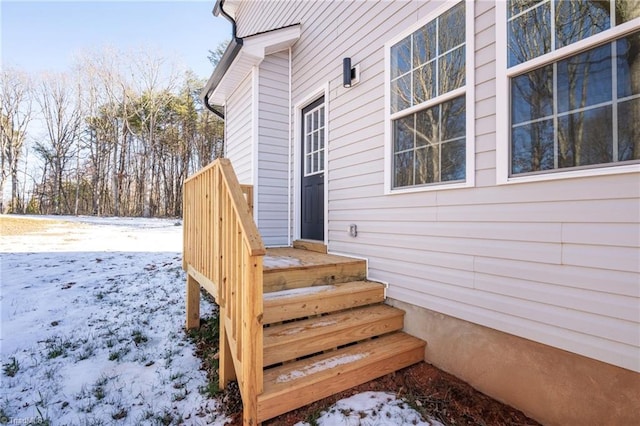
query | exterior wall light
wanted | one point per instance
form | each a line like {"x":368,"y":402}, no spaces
{"x":346,"y":72}
{"x":350,"y":74}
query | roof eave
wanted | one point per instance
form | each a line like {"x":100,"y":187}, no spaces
{"x":240,"y":58}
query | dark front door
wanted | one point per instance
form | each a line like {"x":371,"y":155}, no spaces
{"x":313,"y":152}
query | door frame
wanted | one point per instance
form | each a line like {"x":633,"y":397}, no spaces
{"x":297,"y":155}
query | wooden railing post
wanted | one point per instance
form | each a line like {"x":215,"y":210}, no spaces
{"x":193,"y":303}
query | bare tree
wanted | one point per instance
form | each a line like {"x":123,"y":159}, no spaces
{"x":15,"y":116}
{"x":60,"y":106}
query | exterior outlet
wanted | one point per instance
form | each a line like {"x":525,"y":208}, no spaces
{"x":353,"y":230}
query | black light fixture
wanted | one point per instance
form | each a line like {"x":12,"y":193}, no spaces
{"x":346,"y":72}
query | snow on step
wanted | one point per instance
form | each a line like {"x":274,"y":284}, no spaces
{"x":296,"y":292}
{"x":307,"y":301}
{"x":299,"y":383}
{"x":319,"y":366}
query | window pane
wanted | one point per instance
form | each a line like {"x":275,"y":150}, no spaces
{"x":629,"y":130}
{"x":321,"y":136}
{"x":427,"y":165}
{"x":626,"y":10}
{"x":529,"y":35}
{"x":452,"y":28}
{"x":452,"y":71}
{"x":585,"y":138}
{"x":423,"y":83}
{"x":427,"y":127}
{"x":585,"y":79}
{"x":307,"y":164}
{"x":532,"y":147}
{"x":453,"y":118}
{"x":403,"y":133}
{"x":322,"y":116}
{"x":453,"y":160}
{"x":532,"y":95}
{"x":314,"y":144}
{"x":401,"y":93}
{"x":403,"y":169}
{"x":628,"y":61}
{"x":424,"y":44}
{"x":516,"y":6}
{"x":320,"y":161}
{"x":577,"y":20}
{"x":401,"y":57}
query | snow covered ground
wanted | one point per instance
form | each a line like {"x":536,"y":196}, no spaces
{"x":92,"y":332}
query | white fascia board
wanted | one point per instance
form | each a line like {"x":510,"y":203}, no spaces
{"x":254,"y":49}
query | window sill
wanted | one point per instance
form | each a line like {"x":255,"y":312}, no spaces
{"x":570,"y":174}
{"x":428,"y":188}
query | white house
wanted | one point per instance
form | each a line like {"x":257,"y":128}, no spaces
{"x":483,"y":156}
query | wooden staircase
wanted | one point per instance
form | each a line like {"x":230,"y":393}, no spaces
{"x":296,"y":324}
{"x":326,"y":329}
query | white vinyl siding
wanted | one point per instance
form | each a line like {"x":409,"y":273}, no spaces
{"x":273,"y":149}
{"x":239,"y":128}
{"x":553,"y":261}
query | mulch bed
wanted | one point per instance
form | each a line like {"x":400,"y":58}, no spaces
{"x":428,"y":390}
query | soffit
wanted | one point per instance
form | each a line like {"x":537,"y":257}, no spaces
{"x":254,"y":49}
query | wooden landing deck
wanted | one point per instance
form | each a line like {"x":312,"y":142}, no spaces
{"x":288,"y":268}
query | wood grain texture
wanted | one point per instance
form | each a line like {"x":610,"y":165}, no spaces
{"x":302,"y":382}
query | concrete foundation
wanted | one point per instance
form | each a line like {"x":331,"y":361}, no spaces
{"x":552,"y":386}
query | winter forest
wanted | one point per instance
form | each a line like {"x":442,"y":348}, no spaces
{"x":116,"y":135}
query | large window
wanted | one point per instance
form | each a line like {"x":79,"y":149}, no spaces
{"x":574,"y":81}
{"x":428,"y":102}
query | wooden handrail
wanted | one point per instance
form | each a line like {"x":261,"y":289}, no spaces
{"x":223,"y":253}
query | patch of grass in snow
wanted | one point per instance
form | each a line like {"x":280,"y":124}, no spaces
{"x":179,"y":396}
{"x":206,"y":338}
{"x":138,"y":337}
{"x":312,"y":418}
{"x":118,"y":354}
{"x":120,"y":414}
{"x":57,"y":346}
{"x":87,"y":351}
{"x":10,"y":369}
{"x":165,"y":418}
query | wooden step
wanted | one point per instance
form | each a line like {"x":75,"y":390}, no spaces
{"x":296,"y":339}
{"x":288,"y":268}
{"x":304,"y":302}
{"x":317,"y":246}
{"x":299,"y":383}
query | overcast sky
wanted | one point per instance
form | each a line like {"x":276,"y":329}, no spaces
{"x":45,"y":35}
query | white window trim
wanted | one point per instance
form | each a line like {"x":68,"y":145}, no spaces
{"x":297,"y":162}
{"x":468,"y":89}
{"x":503,"y":109}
